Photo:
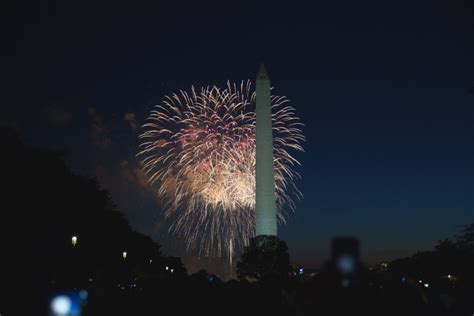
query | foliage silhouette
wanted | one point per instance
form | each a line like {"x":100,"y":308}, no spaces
{"x":265,"y":256}
{"x":45,"y":205}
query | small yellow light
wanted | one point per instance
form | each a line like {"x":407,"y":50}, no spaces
{"x":74,"y":241}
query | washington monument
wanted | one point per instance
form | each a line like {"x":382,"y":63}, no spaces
{"x":266,"y":223}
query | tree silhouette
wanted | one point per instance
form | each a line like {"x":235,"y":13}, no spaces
{"x":45,"y":204}
{"x":265,"y":256}
{"x":466,"y":236}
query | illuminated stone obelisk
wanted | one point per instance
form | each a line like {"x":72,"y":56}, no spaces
{"x":266,"y":221}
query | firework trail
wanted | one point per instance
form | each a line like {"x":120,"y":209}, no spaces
{"x":198,"y":150}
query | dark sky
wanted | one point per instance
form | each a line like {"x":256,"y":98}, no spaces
{"x":382,"y":87}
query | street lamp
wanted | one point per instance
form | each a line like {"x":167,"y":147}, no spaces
{"x":74,"y":241}
{"x":124,"y":255}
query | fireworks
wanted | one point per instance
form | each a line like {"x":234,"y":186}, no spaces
{"x":198,"y":150}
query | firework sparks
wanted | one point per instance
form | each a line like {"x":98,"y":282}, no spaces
{"x":198,"y":150}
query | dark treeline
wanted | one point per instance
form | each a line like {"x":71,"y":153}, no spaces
{"x":45,"y":205}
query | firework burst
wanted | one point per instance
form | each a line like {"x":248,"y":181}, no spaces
{"x":198,"y":150}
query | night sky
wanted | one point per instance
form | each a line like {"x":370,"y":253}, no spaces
{"x":384,"y":93}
